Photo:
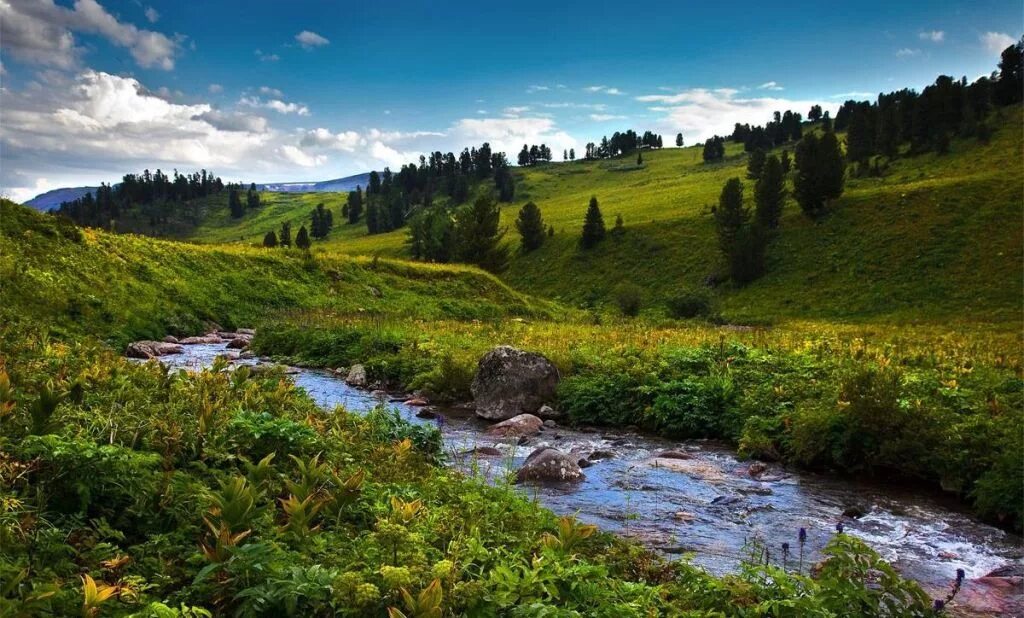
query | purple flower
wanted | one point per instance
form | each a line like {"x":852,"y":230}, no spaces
{"x":960,"y":575}
{"x":803,"y":535}
{"x":839,"y":527}
{"x":785,"y":547}
{"x":939,"y":605}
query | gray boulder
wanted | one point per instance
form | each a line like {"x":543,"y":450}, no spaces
{"x":509,"y":382}
{"x":151,"y":349}
{"x":356,"y":376}
{"x":517,"y":426}
{"x":212,"y":338}
{"x":548,"y":464}
{"x":239,"y":343}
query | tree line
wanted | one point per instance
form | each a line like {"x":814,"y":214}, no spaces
{"x":622,"y":143}
{"x":155,"y":192}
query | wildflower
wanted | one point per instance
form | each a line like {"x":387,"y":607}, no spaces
{"x":939,"y":605}
{"x":839,"y":527}
{"x":960,"y":575}
{"x":803,"y":535}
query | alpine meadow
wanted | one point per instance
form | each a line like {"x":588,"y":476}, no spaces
{"x":448,"y":310}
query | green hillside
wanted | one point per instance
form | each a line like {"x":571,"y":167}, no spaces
{"x":923,"y":243}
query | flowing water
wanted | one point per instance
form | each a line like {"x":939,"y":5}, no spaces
{"x":709,"y":505}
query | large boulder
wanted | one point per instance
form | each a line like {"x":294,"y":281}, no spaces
{"x":356,"y":376}
{"x":151,"y":349}
{"x":239,"y":343}
{"x":517,"y":426}
{"x":549,"y":464}
{"x":509,"y":382}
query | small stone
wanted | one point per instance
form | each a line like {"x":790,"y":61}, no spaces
{"x":427,"y":413}
{"x":757,"y":468}
{"x":415,"y":401}
{"x":674,"y":455}
{"x":356,"y":376}
{"x":584,"y":463}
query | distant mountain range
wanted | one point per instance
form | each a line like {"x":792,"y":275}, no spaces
{"x":52,"y":199}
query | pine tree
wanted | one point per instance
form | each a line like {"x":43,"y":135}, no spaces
{"x":755,"y":164}
{"x":302,"y":238}
{"x":285,"y":237}
{"x":479,"y":235}
{"x":639,"y":157}
{"x":530,"y":225}
{"x":770,"y":193}
{"x":620,"y":226}
{"x":730,"y":217}
{"x":235,"y":204}
{"x":593,"y":225}
{"x":1010,"y":86}
{"x":270,"y":240}
{"x":572,"y":154}
{"x":679,"y":140}
{"x":815,"y":114}
{"x":355,"y":205}
{"x":820,"y":172}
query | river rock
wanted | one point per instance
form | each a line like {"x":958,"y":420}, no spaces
{"x":247,"y":354}
{"x":674,"y":455}
{"x":356,"y":376}
{"x":517,"y":426}
{"x":550,"y":424}
{"x":601,"y":454}
{"x":151,"y":349}
{"x":696,"y":468}
{"x":245,"y":331}
{"x":990,"y":596}
{"x":427,"y":413}
{"x":509,"y":381}
{"x":584,"y":463}
{"x":483,"y":451}
{"x":757,"y":468}
{"x":211,"y":338}
{"x":239,"y":343}
{"x":855,"y":511}
{"x":223,"y":334}
{"x":548,"y":464}
{"x":416,"y":401}
{"x":170,"y":339}
{"x":548,"y":412}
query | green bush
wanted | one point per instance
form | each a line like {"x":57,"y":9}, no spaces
{"x":689,"y":304}
{"x":704,"y":407}
{"x":629,"y":298}
{"x":605,"y":398}
{"x":258,"y":434}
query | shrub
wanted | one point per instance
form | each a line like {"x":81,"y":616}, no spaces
{"x":258,"y":434}
{"x":629,"y":298}
{"x":601,"y":398}
{"x":689,"y":304}
{"x":695,"y":408}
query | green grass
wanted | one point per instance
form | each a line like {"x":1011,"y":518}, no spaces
{"x":122,"y":287}
{"x":937,"y":238}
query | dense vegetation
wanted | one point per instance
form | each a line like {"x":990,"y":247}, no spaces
{"x":129,"y":490}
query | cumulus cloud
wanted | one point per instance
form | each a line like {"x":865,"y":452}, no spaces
{"x":215,"y":88}
{"x":996,"y":42}
{"x":309,"y":40}
{"x":320,"y":137}
{"x":770,"y":86}
{"x":42,"y":32}
{"x":509,"y":134}
{"x":700,"y":113}
{"x":279,"y":106}
{"x":266,"y":57}
{"x":96,"y":126}
{"x":152,"y":15}
{"x":935,"y":36}
{"x":273,"y":92}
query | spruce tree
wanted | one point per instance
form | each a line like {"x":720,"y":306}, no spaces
{"x":820,"y":172}
{"x":593,"y":225}
{"x":679,"y":140}
{"x":355,"y":205}
{"x":639,"y":158}
{"x":530,"y":225}
{"x":302,"y":238}
{"x":770,"y":193}
{"x":478,"y":235}
{"x":755,"y":164}
{"x":270,"y":240}
{"x":572,"y":154}
{"x":730,"y":217}
{"x":235,"y":204}
{"x":285,"y":237}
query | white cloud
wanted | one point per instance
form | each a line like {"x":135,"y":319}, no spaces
{"x":615,"y":91}
{"x":266,"y":57}
{"x":853,"y":95}
{"x":536,"y":88}
{"x":595,"y":88}
{"x":597,"y":107}
{"x":605,"y":117}
{"x":907,"y":52}
{"x":152,"y":15}
{"x":215,"y":88}
{"x":935,"y":36}
{"x":97,"y":126}
{"x":508,"y":134}
{"x":604,"y":89}
{"x":273,"y":92}
{"x":770,"y":86}
{"x":700,"y":113}
{"x":515,"y":110}
{"x":996,"y":42}
{"x":347,"y":141}
{"x":309,"y":40}
{"x":299,"y":157}
{"x":42,"y":32}
{"x":279,"y":106}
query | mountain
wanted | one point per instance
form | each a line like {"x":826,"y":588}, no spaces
{"x":349,"y":183}
{"x":52,"y":199}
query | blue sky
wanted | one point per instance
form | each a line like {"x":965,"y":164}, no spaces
{"x":273,"y":91}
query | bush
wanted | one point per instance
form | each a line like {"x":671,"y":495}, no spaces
{"x":629,"y":298}
{"x":605,"y":398}
{"x":695,"y":408}
{"x":689,"y":304}
{"x":257,"y":435}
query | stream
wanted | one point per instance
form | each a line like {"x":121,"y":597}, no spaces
{"x":708,"y":507}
